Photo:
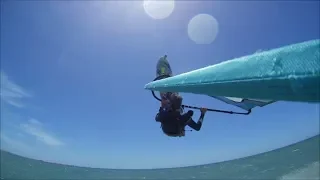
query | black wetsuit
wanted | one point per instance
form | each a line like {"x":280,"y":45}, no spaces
{"x":173,"y":123}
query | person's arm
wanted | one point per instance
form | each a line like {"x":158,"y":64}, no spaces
{"x":157,"y":118}
{"x":203,"y":112}
{"x":162,"y":113}
{"x":201,"y":117}
{"x":159,"y":115}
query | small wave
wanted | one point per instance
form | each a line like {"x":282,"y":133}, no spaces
{"x":311,"y":172}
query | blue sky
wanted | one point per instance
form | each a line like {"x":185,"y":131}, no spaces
{"x":73,"y":76}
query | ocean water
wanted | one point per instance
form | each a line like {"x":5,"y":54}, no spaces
{"x":299,"y":161}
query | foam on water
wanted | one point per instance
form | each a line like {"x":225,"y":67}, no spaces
{"x":311,"y":172}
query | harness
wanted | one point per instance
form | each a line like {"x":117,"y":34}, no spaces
{"x":181,"y":130}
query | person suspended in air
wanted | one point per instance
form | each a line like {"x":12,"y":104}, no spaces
{"x":170,"y":115}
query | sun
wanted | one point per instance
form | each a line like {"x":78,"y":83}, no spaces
{"x":158,"y":9}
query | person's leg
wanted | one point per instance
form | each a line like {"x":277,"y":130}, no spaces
{"x":163,"y":70}
{"x":165,"y":95}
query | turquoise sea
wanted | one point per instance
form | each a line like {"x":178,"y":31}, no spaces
{"x":298,"y":161}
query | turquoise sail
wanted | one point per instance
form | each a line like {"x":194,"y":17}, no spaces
{"x":290,"y":73}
